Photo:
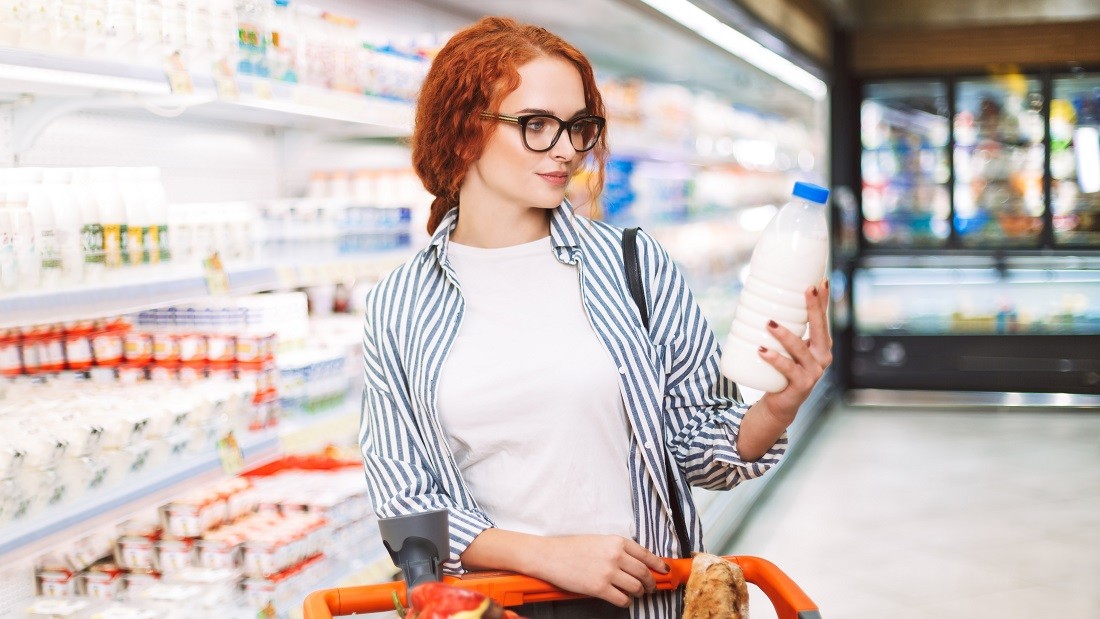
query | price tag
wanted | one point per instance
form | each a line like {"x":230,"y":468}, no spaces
{"x":225,"y":81}
{"x":230,"y":454}
{"x":217,"y":281}
{"x":179,"y":78}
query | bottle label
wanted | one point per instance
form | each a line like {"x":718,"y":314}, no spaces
{"x":114,"y":244}
{"x":48,"y":249}
{"x":162,"y":243}
{"x":136,"y":244}
{"x":92,"y":238}
{"x":149,"y":252}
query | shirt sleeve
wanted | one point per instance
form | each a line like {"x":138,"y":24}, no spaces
{"x":400,"y":478}
{"x":703,"y":408}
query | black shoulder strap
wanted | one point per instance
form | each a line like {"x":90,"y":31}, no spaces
{"x":634,"y":282}
{"x":634,"y":272}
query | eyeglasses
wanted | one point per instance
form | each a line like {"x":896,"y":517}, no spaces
{"x":541,"y":132}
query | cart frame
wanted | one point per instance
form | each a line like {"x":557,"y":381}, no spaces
{"x":509,"y":589}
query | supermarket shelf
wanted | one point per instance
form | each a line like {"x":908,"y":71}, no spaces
{"x":306,"y":432}
{"x":144,"y":289}
{"x":115,"y":502}
{"x":104,"y":84}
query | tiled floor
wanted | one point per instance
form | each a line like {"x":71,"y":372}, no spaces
{"x":902,"y":514}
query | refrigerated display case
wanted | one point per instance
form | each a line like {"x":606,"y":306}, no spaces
{"x":978,"y":266}
{"x":1021,"y":324}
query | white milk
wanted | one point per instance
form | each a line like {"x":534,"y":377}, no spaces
{"x":790,"y":257}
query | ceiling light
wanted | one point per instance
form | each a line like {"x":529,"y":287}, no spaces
{"x":740,"y":45}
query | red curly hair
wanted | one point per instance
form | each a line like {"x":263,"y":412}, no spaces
{"x":473,"y":73}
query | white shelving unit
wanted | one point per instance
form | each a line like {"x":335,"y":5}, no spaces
{"x":43,"y":87}
{"x":145,"y":489}
{"x":128,"y":293}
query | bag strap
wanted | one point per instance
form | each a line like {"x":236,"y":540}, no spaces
{"x":637,"y":292}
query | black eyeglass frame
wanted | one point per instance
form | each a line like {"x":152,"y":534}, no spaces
{"x":563,"y":126}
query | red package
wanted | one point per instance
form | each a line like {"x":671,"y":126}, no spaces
{"x":435,"y":600}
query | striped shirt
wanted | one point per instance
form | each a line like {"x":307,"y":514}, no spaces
{"x":675,"y":397}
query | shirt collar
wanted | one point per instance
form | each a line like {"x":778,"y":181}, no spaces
{"x":563,"y":230}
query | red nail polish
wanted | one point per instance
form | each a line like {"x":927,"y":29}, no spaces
{"x":772,"y":324}
{"x":815,"y":291}
{"x":762,"y":349}
{"x":826,"y":284}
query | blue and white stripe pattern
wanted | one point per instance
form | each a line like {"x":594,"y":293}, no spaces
{"x":675,"y":397}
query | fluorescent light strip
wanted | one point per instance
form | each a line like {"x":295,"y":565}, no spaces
{"x":736,"y":43}
{"x":82,"y":80}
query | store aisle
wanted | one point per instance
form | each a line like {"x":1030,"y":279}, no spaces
{"x":935,"y":514}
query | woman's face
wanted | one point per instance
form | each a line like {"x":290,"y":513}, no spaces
{"x":510,"y":172}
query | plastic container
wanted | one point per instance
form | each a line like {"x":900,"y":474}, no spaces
{"x":789,"y":258}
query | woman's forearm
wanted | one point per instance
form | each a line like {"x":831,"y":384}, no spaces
{"x":760,"y":429}
{"x":497,"y":549}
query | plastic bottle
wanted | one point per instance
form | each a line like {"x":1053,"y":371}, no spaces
{"x":91,"y":230}
{"x":789,"y":257}
{"x":9,"y":271}
{"x":68,"y":223}
{"x":137,"y":216}
{"x":112,"y":214}
{"x":156,"y":204}
{"x":252,"y":29}
{"x":28,"y":264}
{"x":46,"y":240}
{"x":283,"y":53}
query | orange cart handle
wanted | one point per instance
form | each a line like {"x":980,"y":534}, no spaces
{"x":509,"y":589}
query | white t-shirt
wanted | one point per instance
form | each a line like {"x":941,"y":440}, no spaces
{"x":529,"y":398}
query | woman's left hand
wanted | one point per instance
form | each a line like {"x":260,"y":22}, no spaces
{"x":808,"y":358}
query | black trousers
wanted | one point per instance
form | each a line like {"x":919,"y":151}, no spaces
{"x":572,"y":609}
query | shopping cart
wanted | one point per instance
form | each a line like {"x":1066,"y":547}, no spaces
{"x":508,"y":589}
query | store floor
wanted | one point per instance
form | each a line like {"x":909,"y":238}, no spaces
{"x":895,"y":513}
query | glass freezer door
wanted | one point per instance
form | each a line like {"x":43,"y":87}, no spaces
{"x":1075,"y":159}
{"x":904,"y":133}
{"x":999,"y":132}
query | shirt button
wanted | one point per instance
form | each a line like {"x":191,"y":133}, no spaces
{"x":649,"y":444}
{"x":622,"y":370}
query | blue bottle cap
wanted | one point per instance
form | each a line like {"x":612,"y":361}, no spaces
{"x":813,"y":193}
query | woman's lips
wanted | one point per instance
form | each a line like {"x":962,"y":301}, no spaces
{"x":558,"y":179}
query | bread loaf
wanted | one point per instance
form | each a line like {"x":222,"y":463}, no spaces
{"x":716,"y":589}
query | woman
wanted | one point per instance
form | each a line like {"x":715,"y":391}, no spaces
{"x":509,"y":377}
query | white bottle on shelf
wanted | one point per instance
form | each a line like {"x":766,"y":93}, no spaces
{"x":47,"y":240}
{"x":27,"y":262}
{"x":112,"y":213}
{"x":68,"y":222}
{"x":9,"y":270}
{"x":790,"y":257}
{"x":91,"y":230}
{"x":137,"y":216}
{"x":156,"y":204}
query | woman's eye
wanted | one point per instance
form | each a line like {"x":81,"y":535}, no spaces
{"x":536,"y":125}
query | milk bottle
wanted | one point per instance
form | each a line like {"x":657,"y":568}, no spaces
{"x":789,"y":257}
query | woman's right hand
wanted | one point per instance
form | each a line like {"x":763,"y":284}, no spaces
{"x":609,"y":567}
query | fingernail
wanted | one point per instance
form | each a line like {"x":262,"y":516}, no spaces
{"x":815,"y":291}
{"x":826,"y":284}
{"x":666,"y":568}
{"x":772,"y":324}
{"x":762,"y":349}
